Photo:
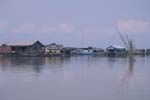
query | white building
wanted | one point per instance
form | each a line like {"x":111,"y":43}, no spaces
{"x":53,"y":49}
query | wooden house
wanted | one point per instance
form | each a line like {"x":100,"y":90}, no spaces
{"x":35,"y":48}
{"x":5,"y":49}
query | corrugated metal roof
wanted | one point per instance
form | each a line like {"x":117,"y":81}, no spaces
{"x":115,"y":46}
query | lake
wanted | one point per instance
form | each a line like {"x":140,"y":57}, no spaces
{"x":74,"y":78}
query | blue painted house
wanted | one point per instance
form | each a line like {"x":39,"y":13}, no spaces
{"x":116,"y":50}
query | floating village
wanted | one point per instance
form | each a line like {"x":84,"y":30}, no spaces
{"x":37,"y":49}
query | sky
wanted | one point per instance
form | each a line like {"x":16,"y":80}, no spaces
{"x":75,"y":23}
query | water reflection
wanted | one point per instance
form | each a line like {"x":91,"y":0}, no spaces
{"x":17,"y":61}
{"x":113,"y":62}
{"x":31,"y":63}
{"x":130,"y":70}
{"x":131,"y":66}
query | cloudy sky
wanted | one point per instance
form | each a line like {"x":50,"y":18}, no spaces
{"x":75,"y":22}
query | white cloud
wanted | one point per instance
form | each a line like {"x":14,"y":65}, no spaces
{"x":126,"y":26}
{"x":99,"y":30}
{"x":24,"y":28}
{"x":135,"y":26}
{"x":30,"y":28}
{"x":66,"y":28}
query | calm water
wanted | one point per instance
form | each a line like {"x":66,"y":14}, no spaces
{"x":74,"y":78}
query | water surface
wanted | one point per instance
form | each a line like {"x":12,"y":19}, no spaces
{"x":74,"y":78}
